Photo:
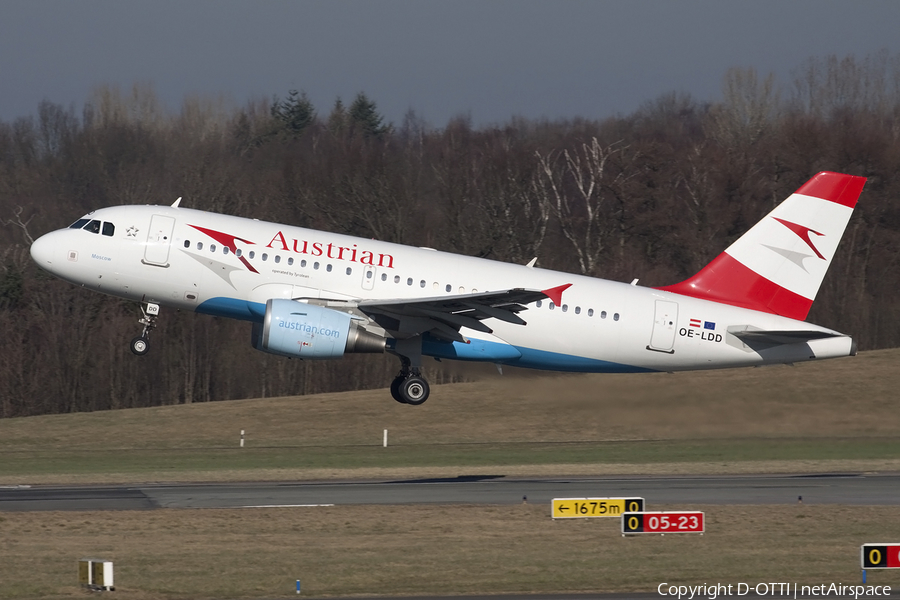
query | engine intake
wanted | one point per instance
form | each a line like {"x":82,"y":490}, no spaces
{"x":297,"y":329}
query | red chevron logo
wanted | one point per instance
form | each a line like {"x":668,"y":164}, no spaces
{"x":227,"y":240}
{"x":803,"y":233}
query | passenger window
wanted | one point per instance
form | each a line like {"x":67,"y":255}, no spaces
{"x":316,"y":266}
{"x":409,"y":281}
{"x":264,"y":256}
{"x":422,"y":283}
{"x":552,"y":306}
{"x":538,"y":303}
{"x":290,"y":260}
{"x":565,"y":307}
{"x":78,"y":224}
{"x":224,"y":249}
{"x":303,"y":262}
{"x":384,"y":276}
{"x":396,"y":279}
{"x":252,"y":254}
{"x":277,"y":258}
{"x":616,"y":317}
{"x":328,"y":268}
{"x":93,"y":226}
{"x":349,"y":271}
{"x":577,"y":310}
{"x":602,"y":314}
{"x":199,"y":245}
{"x":238,"y":252}
{"x":187,"y":243}
{"x":109,"y":229}
{"x":449,"y":287}
{"x":212,"y":247}
{"x":590,"y":312}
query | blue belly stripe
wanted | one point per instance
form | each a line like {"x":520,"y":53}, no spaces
{"x":232,"y":308}
{"x":477,"y":350}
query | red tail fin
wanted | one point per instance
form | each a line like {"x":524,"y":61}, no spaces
{"x":778,"y":265}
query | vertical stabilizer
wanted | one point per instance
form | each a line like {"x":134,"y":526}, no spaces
{"x":778,"y":265}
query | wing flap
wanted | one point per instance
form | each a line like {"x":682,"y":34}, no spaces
{"x":444,"y":316}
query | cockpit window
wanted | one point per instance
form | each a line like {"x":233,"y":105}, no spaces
{"x":109,"y":229}
{"x":79,"y":224}
{"x":93,"y":226}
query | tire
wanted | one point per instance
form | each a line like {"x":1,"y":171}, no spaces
{"x":414,"y":390}
{"x":140,"y":345}
{"x":395,"y":390}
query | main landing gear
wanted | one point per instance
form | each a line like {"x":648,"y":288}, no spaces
{"x":409,"y":387}
{"x":141,"y":344}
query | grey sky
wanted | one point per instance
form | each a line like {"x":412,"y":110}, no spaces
{"x":492,"y":59}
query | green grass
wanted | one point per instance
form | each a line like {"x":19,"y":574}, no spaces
{"x":832,"y":416}
{"x":841,"y":414}
{"x":209,"y":460}
{"x":427,"y":550}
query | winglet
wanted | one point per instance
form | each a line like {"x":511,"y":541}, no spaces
{"x":555,"y":294}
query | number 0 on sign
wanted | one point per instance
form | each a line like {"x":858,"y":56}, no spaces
{"x":662,"y":522}
{"x":576,"y":508}
{"x":880,"y":556}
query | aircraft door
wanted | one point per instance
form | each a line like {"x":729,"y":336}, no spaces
{"x":664,"y":327}
{"x":156,"y":252}
{"x":368,"y":280}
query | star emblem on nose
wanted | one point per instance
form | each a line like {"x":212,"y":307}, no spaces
{"x":131,"y":231}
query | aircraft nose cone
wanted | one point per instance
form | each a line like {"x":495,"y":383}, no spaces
{"x":42,"y":251}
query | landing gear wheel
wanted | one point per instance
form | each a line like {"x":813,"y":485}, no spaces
{"x":395,"y":389}
{"x":414,"y":390}
{"x":140,"y":345}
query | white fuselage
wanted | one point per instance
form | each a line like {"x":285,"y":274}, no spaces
{"x":230,"y":266}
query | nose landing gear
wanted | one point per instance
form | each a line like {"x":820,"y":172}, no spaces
{"x":141,"y":344}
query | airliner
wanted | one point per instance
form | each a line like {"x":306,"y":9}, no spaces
{"x":316,"y":295}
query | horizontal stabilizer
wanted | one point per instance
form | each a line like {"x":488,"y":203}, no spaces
{"x":777,"y":338}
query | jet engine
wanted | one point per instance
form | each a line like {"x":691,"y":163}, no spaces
{"x":297,"y":329}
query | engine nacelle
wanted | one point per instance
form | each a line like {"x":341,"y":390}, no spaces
{"x":297,"y":329}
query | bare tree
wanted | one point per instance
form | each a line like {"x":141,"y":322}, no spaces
{"x":748,"y":109}
{"x":577,"y":187}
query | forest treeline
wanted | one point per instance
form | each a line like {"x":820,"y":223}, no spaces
{"x":653,"y":195}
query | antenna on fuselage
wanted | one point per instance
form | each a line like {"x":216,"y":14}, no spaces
{"x":177,"y":202}
{"x":531,"y":262}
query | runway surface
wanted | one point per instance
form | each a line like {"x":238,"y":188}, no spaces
{"x":853,"y":489}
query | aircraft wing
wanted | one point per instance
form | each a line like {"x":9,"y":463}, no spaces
{"x":443,"y":316}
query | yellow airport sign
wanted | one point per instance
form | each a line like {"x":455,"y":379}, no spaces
{"x":579,"y":508}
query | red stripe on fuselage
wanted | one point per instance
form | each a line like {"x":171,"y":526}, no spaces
{"x":727,"y":281}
